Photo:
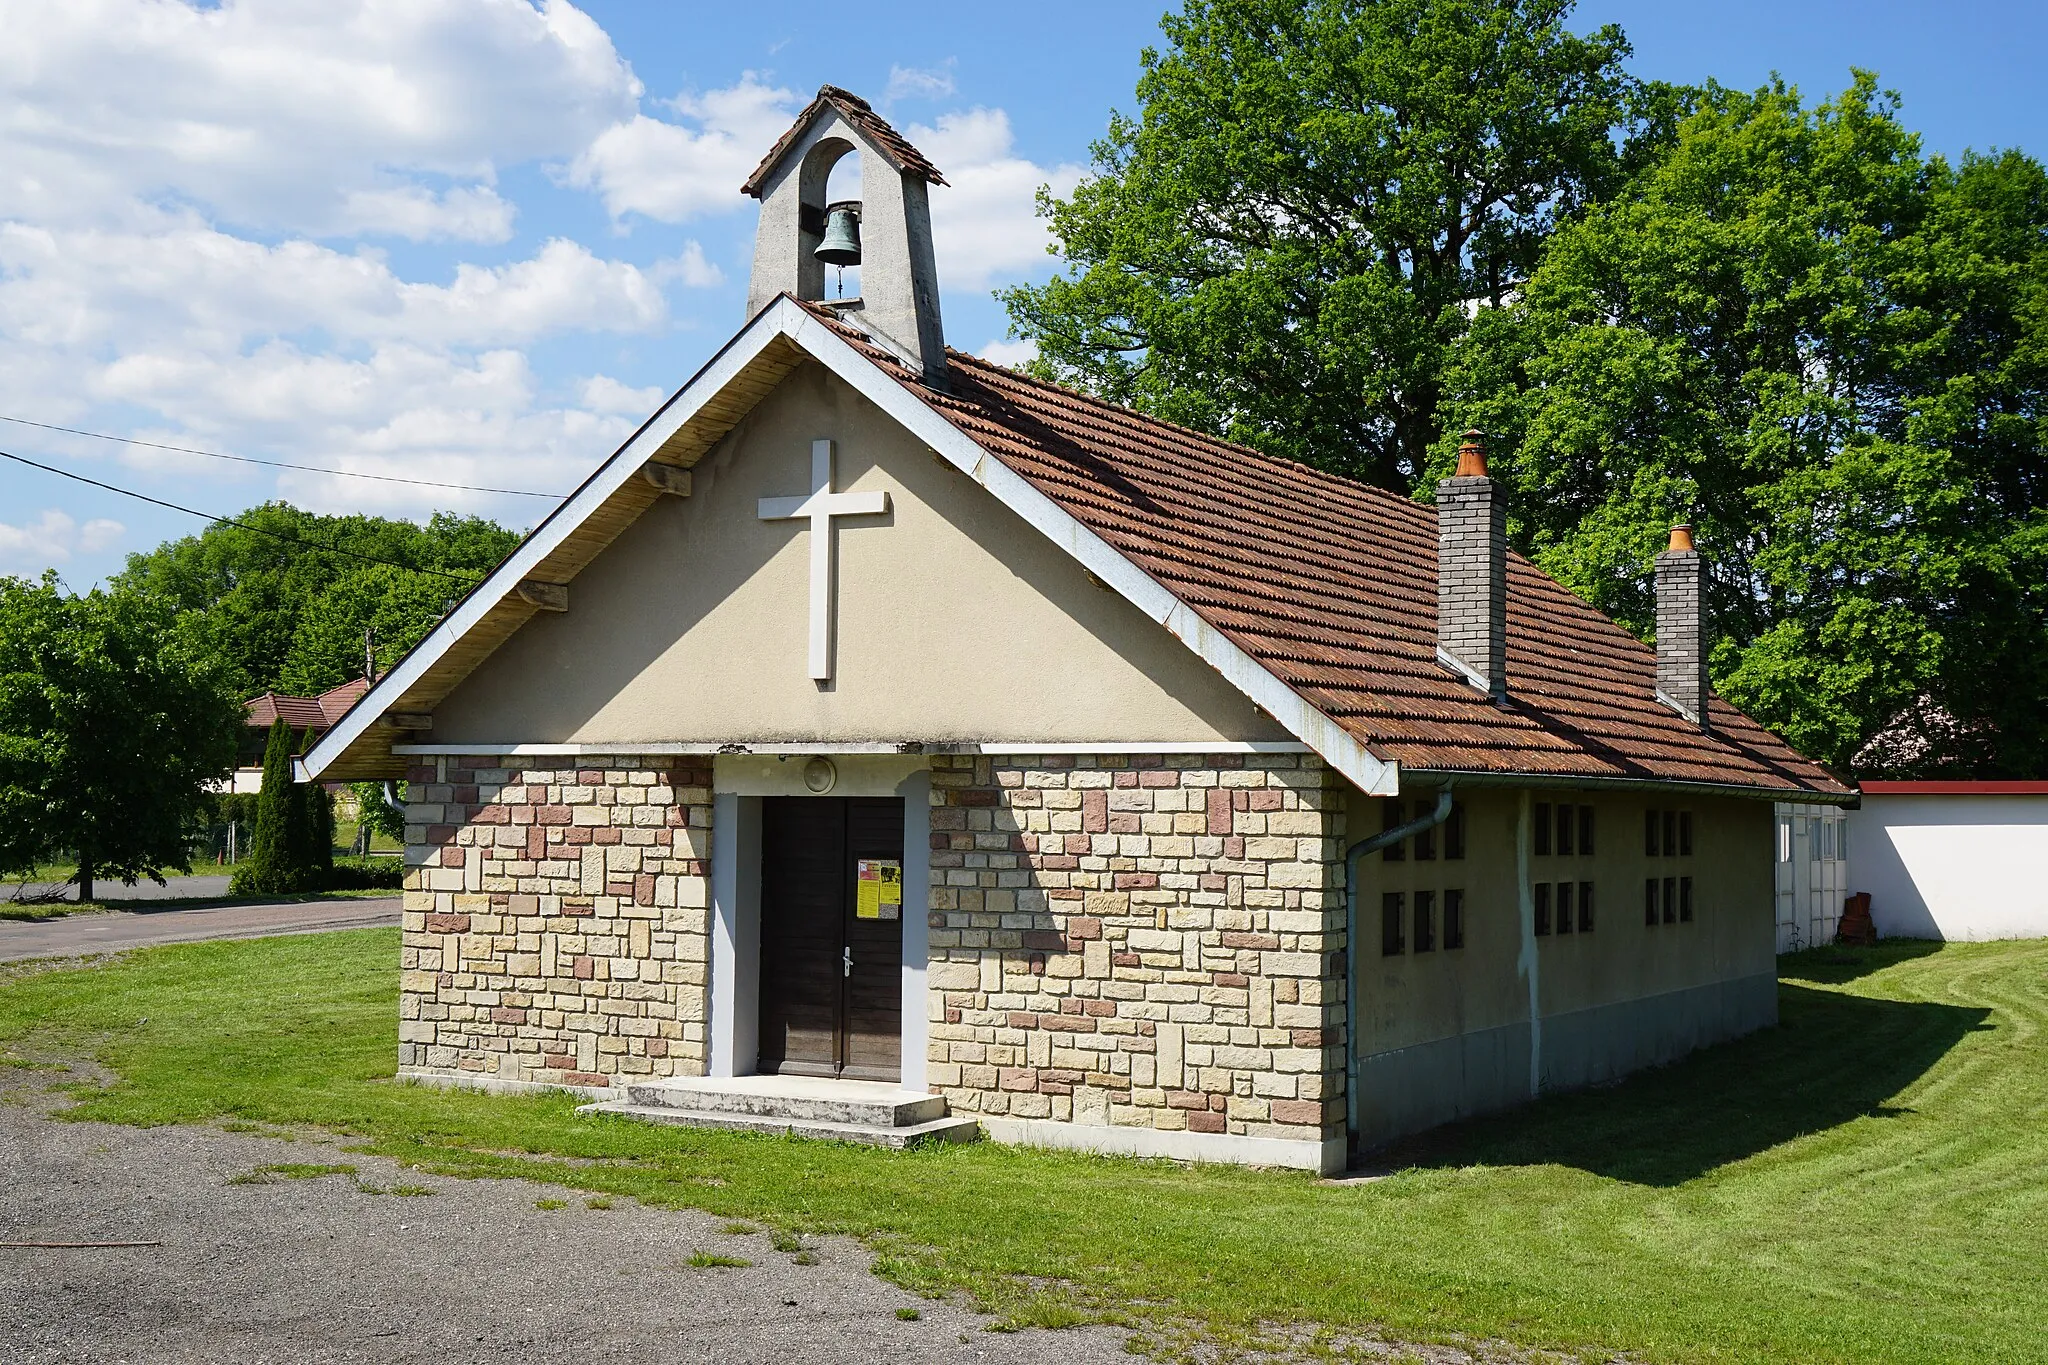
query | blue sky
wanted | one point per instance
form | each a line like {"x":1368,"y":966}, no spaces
{"x":476,"y":240}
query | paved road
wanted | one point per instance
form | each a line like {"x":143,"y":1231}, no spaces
{"x":116,"y":930}
{"x":173,"y":887}
{"x":333,"y":1269}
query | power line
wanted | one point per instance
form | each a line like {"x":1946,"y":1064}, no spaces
{"x":281,"y":464}
{"x":243,"y":525}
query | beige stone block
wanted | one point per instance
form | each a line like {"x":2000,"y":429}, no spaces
{"x":1169,"y":1054}
{"x":953,"y":976}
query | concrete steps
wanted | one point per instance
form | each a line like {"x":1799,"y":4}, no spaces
{"x":876,"y":1114}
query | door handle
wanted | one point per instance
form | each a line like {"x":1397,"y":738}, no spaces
{"x":846,"y":962}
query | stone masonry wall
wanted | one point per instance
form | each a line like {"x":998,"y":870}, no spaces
{"x":1148,"y":941}
{"x":556,"y":919}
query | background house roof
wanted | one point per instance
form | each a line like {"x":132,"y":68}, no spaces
{"x":304,"y":713}
{"x":1331,"y":585}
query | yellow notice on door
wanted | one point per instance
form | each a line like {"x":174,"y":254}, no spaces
{"x":879,"y":889}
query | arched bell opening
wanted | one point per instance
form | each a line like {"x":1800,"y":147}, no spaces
{"x":829,"y":243}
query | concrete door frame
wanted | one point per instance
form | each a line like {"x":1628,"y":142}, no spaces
{"x":739,"y":784}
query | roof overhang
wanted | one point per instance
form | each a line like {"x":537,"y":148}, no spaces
{"x":779,"y":337}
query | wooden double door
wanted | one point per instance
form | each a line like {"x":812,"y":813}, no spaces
{"x":832,"y":936}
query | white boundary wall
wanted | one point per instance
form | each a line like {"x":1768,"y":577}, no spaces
{"x":1956,"y":866}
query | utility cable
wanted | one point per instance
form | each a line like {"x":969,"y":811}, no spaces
{"x":285,"y":536}
{"x":281,"y":464}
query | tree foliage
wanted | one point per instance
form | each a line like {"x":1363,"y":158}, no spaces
{"x":114,"y":719}
{"x":1284,"y":244}
{"x":1830,"y":353}
{"x":290,"y":618}
{"x":292,"y":849}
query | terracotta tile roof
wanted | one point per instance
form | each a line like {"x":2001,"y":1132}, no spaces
{"x":861,"y":115}
{"x":1331,"y":585}
{"x":304,"y":713}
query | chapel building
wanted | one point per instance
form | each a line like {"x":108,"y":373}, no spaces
{"x":881,"y":738}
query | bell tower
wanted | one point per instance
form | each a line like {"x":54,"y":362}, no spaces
{"x":887,"y":233}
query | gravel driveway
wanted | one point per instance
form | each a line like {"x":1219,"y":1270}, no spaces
{"x":328,"y":1269}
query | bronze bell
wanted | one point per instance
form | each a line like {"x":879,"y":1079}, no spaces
{"x":841,"y":246}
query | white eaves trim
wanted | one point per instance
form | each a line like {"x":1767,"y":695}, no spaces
{"x":561,"y":523}
{"x":772,"y":748}
{"x":784,"y":317}
{"x":1324,"y":736}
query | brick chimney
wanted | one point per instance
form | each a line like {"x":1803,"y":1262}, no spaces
{"x":1681,"y":642}
{"x":1472,"y":572}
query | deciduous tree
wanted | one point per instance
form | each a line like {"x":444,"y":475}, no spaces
{"x":114,"y":720}
{"x":1285,"y":241}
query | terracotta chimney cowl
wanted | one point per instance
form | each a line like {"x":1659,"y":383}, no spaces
{"x":1472,"y":455}
{"x":1681,"y":538}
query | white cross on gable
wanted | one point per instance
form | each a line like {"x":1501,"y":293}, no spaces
{"x":820,"y":505}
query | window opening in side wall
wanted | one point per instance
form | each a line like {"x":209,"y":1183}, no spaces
{"x":1785,"y":839}
{"x":1542,"y":823}
{"x":1828,"y":839}
{"x":1813,"y":839}
{"x":1564,"y":907}
{"x":1842,"y":839}
{"x":1564,"y":831}
{"x":1392,"y":904}
{"x":1454,"y":834}
{"x":1425,"y":845}
{"x":1585,"y":907}
{"x":1543,"y":907}
{"x":1390,"y":818}
{"x":1650,"y":901}
{"x":1585,"y":831}
{"x":1685,"y":834}
{"x":1685,"y":900}
{"x":1671,"y":900}
{"x":1454,"y":919}
{"x":1425,"y":921}
{"x":1649,"y":834}
{"x":1670,"y":832}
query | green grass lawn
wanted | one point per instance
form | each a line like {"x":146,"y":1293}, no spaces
{"x":1867,"y":1182}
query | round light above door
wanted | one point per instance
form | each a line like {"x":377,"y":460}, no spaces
{"x":820,"y":774}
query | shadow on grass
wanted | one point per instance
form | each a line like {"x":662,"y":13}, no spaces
{"x":1833,"y":966}
{"x":1832,"y":1058}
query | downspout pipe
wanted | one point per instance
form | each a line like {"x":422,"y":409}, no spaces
{"x":1351,"y":940}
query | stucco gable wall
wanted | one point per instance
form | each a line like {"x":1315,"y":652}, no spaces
{"x":956,"y":621}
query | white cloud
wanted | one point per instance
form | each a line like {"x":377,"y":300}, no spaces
{"x":55,"y":536}
{"x":910,"y":82}
{"x":1010,"y":353}
{"x":320,"y":116}
{"x":602,"y":393}
{"x":986,"y":225}
{"x":674,"y":172}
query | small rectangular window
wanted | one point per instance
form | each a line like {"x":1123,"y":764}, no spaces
{"x":1685,"y":834}
{"x":1543,"y":907}
{"x":1425,"y":845}
{"x":1842,"y":840}
{"x":1585,"y":831}
{"x":1828,"y":836}
{"x":1425,"y":921}
{"x":1564,"y":831}
{"x":1392,"y":905}
{"x":1784,"y":841}
{"x":1649,"y":834}
{"x":1390,"y":818}
{"x":1542,"y":828}
{"x":1585,"y":907}
{"x":1813,"y":839}
{"x":1454,"y":920}
{"x":1671,"y":900}
{"x":1670,"y":833}
{"x":1685,"y":900}
{"x":1564,"y":907}
{"x":1650,"y":900}
{"x":1454,"y":834}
